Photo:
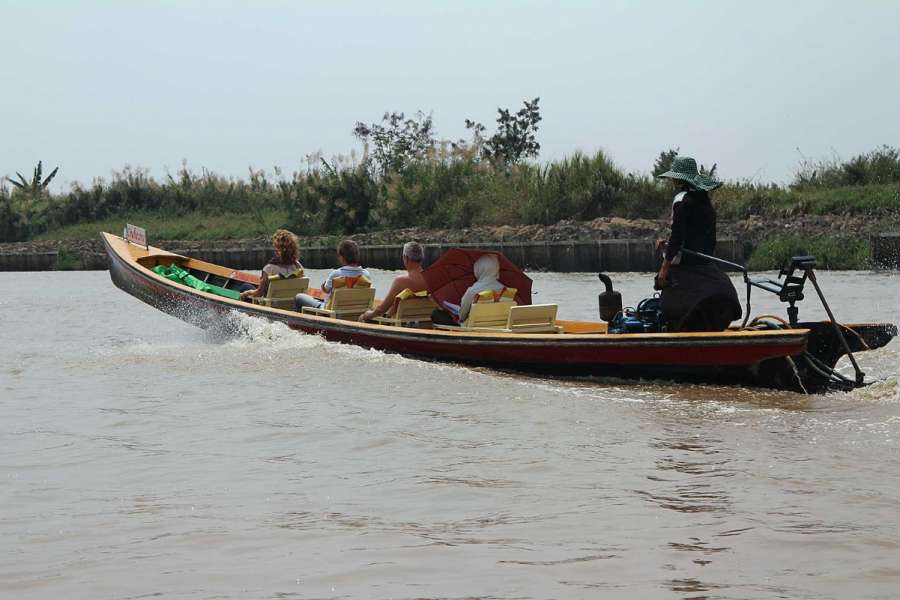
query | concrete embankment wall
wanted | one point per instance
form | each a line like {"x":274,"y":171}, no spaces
{"x":29,"y":261}
{"x":582,"y":256}
{"x":598,"y":255}
{"x":563,"y":257}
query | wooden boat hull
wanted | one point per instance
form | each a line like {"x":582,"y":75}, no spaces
{"x":751,"y":357}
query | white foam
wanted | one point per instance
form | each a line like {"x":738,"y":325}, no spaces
{"x":255,"y":331}
{"x":880,"y":392}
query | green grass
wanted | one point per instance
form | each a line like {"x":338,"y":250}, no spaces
{"x":193,"y":226}
{"x":850,"y":254}
{"x":737,"y":200}
{"x":67,"y":261}
{"x":859,"y":199}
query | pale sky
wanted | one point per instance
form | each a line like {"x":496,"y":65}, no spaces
{"x":94,"y":85}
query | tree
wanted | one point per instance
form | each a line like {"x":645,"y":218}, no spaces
{"x":664,"y":161}
{"x":36,"y":186}
{"x":398,"y":140}
{"x":514,"y":139}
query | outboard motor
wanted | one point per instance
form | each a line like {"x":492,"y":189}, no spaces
{"x":610,"y":301}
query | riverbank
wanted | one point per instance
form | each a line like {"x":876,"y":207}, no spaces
{"x":839,"y":241}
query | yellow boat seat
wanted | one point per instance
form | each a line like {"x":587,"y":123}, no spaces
{"x":350,"y":297}
{"x":281,"y":290}
{"x":410,"y":309}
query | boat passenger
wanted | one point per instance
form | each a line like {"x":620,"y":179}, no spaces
{"x":412,"y":280}
{"x":348,"y":255}
{"x":487,"y":271}
{"x":285,"y":262}
{"x":695,"y":294}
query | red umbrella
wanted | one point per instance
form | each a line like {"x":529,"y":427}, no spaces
{"x":452,"y":274}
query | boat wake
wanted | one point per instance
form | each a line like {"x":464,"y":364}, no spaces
{"x":249,"y":333}
{"x":880,"y":392}
{"x":246,"y":332}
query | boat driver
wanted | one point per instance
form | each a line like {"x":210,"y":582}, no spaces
{"x":695,"y":294}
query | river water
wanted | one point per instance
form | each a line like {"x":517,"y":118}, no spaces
{"x":141,"y":457}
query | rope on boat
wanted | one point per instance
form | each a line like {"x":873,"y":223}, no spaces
{"x":758,"y":321}
{"x":797,"y":374}
{"x":862,"y":340}
{"x":775,"y":317}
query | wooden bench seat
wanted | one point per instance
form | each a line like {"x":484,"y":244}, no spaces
{"x":506,"y":317}
{"x":281,"y":291}
{"x":414,"y":310}
{"x":484,"y":316}
{"x":345,"y":303}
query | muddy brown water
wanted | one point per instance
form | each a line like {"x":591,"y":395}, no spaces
{"x":141,"y":457}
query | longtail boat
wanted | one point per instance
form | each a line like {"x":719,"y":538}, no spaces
{"x":800,"y":357}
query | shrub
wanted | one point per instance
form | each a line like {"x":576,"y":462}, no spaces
{"x":880,"y":166}
{"x":439,"y":186}
{"x":11,"y":229}
{"x":334,"y":200}
{"x":830,"y":253}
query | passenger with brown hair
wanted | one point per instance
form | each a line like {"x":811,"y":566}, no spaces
{"x":285,"y":263}
{"x":348,"y":256}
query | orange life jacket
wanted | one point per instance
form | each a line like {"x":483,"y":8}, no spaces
{"x":350,"y":282}
{"x":504,"y":295}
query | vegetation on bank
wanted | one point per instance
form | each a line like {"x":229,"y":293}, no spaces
{"x":190,"y":226}
{"x":407,"y":177}
{"x":836,"y":253}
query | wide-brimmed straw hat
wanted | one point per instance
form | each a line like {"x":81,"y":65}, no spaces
{"x":685,"y":169}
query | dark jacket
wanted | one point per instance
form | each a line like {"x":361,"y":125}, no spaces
{"x":693,"y":227}
{"x":699,"y":297}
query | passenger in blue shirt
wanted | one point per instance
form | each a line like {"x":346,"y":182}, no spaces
{"x":348,"y":255}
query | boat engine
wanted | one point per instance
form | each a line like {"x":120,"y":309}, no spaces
{"x":610,"y":301}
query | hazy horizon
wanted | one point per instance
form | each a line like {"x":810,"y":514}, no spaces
{"x":225,"y":86}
